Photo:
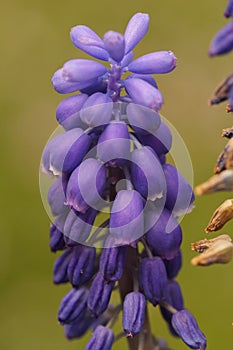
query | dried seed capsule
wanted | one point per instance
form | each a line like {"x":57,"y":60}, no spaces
{"x":187,"y":328}
{"x":218,"y":250}
{"x":73,"y":306}
{"x":153,"y":279}
{"x":221,"y":216}
{"x":102,"y":339}
{"x":133,"y":313}
{"x":99,"y":294}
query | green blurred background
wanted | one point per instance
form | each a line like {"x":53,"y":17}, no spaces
{"x":35,"y":43}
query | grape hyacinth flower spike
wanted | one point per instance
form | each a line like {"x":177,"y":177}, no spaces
{"x":113,"y":190}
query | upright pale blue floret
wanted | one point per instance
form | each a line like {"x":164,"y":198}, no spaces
{"x":114,"y":190}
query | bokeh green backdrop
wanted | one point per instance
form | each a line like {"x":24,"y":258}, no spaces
{"x":34,"y":43}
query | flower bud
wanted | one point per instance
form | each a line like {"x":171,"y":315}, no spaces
{"x":179,"y":192}
{"x":56,"y":234}
{"x":78,"y":329}
{"x":102,"y":339}
{"x":78,"y":226}
{"x":56,"y":198}
{"x":112,"y":262}
{"x":223,"y":41}
{"x":88,"y":41}
{"x":133,"y":313}
{"x":160,"y":141}
{"x":186,"y":327}
{"x":174,"y":298}
{"x":229,"y":9}
{"x":86,"y":184}
{"x":141,"y":119}
{"x":173,"y":266}
{"x":67,"y":112}
{"x":115,"y":45}
{"x":81,"y":267}
{"x":144,"y":94}
{"x":73,"y":306}
{"x":165,"y":236}
{"x":153,"y":279}
{"x":136,"y":30}
{"x":126,"y":218}
{"x":77,"y":70}
{"x":114,"y":144}
{"x":65,"y":152}
{"x":159,"y":62}
{"x":147,"y":173}
{"x":99,"y":295}
{"x":64,"y":86}
{"x":60,"y":267}
{"x":145,"y":77}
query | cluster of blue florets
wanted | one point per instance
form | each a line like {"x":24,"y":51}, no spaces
{"x":111,"y":161}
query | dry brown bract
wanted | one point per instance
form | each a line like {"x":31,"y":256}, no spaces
{"x":218,"y":250}
{"x":222,"y":215}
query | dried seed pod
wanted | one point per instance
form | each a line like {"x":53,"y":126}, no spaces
{"x":225,"y":159}
{"x":221,"y":216}
{"x":218,"y":182}
{"x":215,"y":251}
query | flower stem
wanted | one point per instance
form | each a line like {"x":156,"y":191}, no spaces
{"x":144,"y":340}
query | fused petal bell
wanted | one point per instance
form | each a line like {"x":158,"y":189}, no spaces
{"x":174,"y":265}
{"x":97,"y":110}
{"x":126,"y":218}
{"x":112,"y":262}
{"x":187,"y":328}
{"x":67,"y":112}
{"x":99,"y":295}
{"x":81,"y":267}
{"x":165,"y":237}
{"x":56,"y":198}
{"x":153,"y":279}
{"x":147,"y":173}
{"x":72,"y":306}
{"x":102,"y":339}
{"x":114,"y":144}
{"x":133,"y":313}
{"x":141,"y":119}
{"x":65,"y":152}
